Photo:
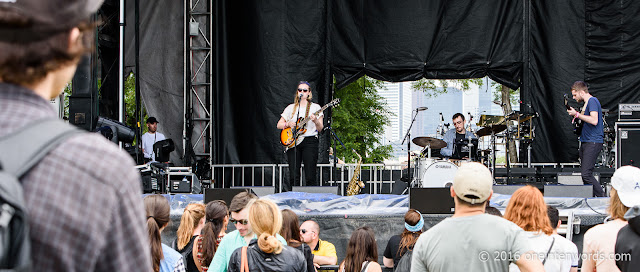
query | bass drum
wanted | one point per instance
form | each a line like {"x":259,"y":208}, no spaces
{"x":439,"y":174}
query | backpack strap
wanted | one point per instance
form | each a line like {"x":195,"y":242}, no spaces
{"x":22,"y":149}
{"x":550,"y":247}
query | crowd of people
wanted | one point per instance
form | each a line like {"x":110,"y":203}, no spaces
{"x":100,"y":225}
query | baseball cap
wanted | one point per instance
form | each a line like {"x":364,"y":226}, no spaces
{"x":41,"y":19}
{"x":473,"y":182}
{"x":152,"y":120}
{"x":626,"y":181}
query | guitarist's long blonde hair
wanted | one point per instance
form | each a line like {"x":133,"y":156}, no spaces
{"x":296,"y":101}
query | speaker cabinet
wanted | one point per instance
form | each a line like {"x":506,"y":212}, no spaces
{"x":581,"y":191}
{"x":316,"y":189}
{"x":225,"y":194}
{"x":506,"y":189}
{"x":260,"y":191}
{"x":431,"y":200}
{"x":627,"y":144}
{"x":574,"y":178}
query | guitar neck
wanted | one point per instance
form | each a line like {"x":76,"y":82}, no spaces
{"x":305,"y":120}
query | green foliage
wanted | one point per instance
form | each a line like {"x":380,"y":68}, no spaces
{"x":435,"y":87}
{"x":360,"y":119}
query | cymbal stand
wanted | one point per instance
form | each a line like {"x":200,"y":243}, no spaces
{"x":407,"y":138}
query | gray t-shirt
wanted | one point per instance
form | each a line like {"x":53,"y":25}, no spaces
{"x":472,"y":243}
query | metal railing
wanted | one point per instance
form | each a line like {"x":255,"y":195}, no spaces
{"x":378,"y":178}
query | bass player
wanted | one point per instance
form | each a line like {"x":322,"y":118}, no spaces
{"x":591,"y":137}
{"x":305,"y":148}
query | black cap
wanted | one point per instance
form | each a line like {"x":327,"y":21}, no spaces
{"x":152,"y":120}
{"x":44,"y":19}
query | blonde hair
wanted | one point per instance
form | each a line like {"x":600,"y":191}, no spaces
{"x":191,"y":217}
{"x":527,"y":209}
{"x":266,"y":221}
{"x":616,"y":209}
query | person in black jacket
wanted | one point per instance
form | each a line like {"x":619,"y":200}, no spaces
{"x":267,"y":253}
{"x":291,"y":233}
{"x":628,"y":242}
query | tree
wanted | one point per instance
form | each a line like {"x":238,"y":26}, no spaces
{"x":360,"y":119}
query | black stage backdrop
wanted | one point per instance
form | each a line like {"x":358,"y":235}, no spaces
{"x":263,"y":48}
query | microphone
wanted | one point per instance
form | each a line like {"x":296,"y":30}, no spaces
{"x":422,"y":108}
{"x":300,"y":96}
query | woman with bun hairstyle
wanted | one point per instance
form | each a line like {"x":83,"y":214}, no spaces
{"x":266,"y":221}
{"x":398,"y":245}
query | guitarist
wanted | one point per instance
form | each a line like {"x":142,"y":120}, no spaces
{"x":306,"y":149}
{"x":592,"y":135}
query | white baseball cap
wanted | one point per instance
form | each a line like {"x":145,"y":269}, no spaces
{"x":473,"y":182}
{"x":626,"y":181}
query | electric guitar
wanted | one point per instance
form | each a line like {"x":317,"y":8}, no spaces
{"x":576,"y":122}
{"x":290,"y":137}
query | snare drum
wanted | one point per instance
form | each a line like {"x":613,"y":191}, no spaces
{"x":438,"y":174}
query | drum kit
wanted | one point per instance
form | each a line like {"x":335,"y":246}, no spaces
{"x":437,"y":171}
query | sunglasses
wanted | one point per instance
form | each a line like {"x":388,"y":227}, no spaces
{"x":303,"y":90}
{"x":304,"y":231}
{"x":241,"y":221}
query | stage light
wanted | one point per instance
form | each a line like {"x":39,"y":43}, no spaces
{"x":121,"y":132}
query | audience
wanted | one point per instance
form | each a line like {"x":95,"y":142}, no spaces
{"x":469,"y":240}
{"x":83,"y":197}
{"x":398,"y":245}
{"x":564,"y":244}
{"x":191,"y":224}
{"x":215,"y":226}
{"x":362,"y":252}
{"x":601,"y":239}
{"x":291,"y":233}
{"x":239,"y":237}
{"x":528,"y":210}
{"x":266,"y":253}
{"x":163,"y":257}
{"x":324,"y":253}
{"x":628,"y":242}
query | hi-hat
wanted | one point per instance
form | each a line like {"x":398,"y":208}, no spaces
{"x":429,"y":141}
{"x":488,"y":130}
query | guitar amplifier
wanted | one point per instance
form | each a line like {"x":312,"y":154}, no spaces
{"x":629,"y":112}
{"x":627,"y":144}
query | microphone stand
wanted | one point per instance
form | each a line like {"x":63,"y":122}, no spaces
{"x":335,"y":154}
{"x":295,"y":146}
{"x":407,"y":138}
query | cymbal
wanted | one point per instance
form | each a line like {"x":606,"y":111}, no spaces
{"x":429,"y":141}
{"x":488,"y":130}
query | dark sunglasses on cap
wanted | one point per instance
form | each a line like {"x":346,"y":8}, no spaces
{"x":241,"y":221}
{"x":303,"y":90}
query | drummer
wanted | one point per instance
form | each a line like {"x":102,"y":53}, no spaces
{"x":457,"y":135}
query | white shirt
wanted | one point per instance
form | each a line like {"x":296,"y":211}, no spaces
{"x":148,"y":139}
{"x":563,"y":254}
{"x":310,"y":126}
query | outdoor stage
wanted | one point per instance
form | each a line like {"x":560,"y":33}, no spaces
{"x":339,"y":216}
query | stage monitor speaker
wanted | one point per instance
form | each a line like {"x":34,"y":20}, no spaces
{"x":317,"y":189}
{"x":582,"y":191}
{"x":627,"y":144}
{"x":225,"y":194}
{"x":260,"y":191}
{"x":431,"y":200}
{"x":574,"y":178}
{"x":506,"y":189}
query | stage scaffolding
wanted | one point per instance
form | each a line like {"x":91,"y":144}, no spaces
{"x":198,"y":76}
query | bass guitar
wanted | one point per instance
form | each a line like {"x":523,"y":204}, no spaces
{"x":290,"y":137}
{"x":576,"y":122}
